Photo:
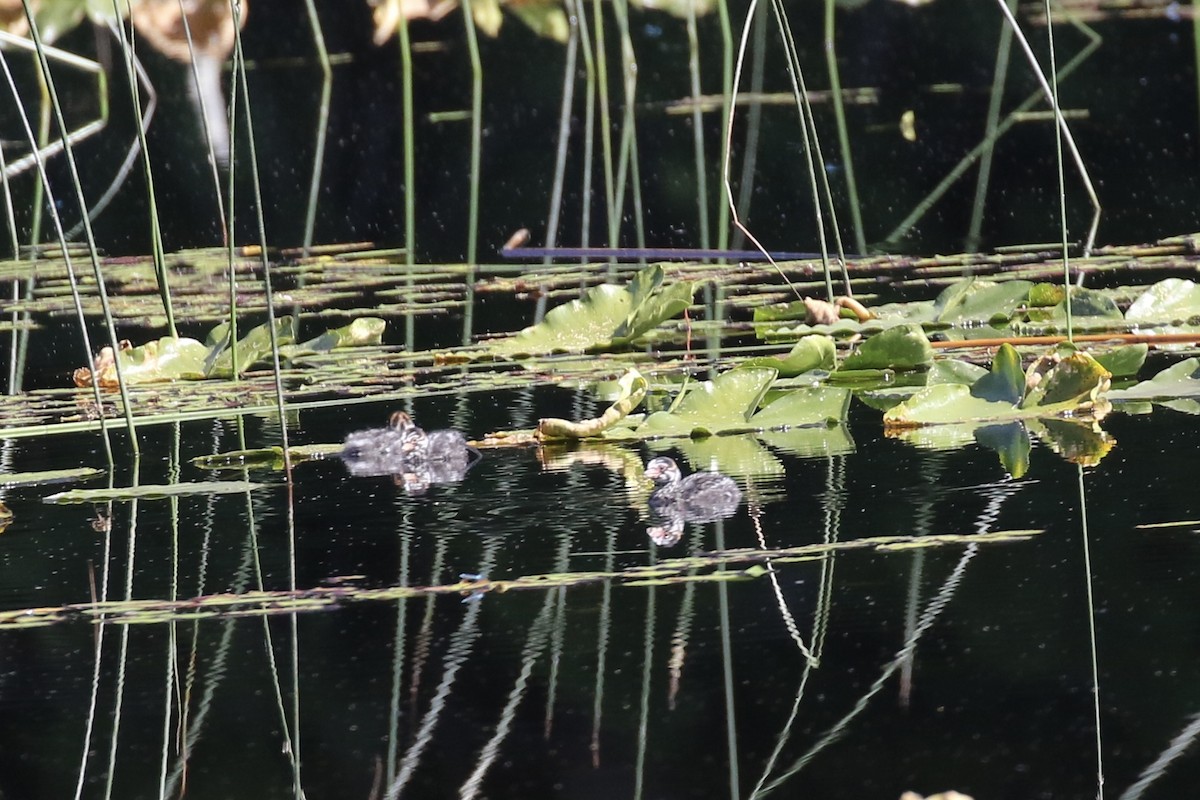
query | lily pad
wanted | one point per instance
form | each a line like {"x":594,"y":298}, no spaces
{"x":724,"y":404}
{"x":1088,"y":303}
{"x":48,"y":476}
{"x":811,"y":352}
{"x":1074,"y":385}
{"x":359,"y":333}
{"x":607,"y":317}
{"x":1178,"y":380}
{"x":978,"y":300}
{"x":253,"y":347}
{"x":632,"y":390}
{"x":901,"y":347}
{"x":1122,"y":361}
{"x":1169,"y":300}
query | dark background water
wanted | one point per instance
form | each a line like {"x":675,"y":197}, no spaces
{"x":999,"y":702}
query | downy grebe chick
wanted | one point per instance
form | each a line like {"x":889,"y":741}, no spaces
{"x":381,"y":451}
{"x":700,"y":497}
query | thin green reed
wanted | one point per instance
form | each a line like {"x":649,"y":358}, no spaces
{"x":839,"y":115}
{"x":589,"y":126}
{"x":1034,"y":98}
{"x":93,"y":254}
{"x":97,"y":647}
{"x":240,"y":70}
{"x":564,"y":135}
{"x":753,"y":119}
{"x":230,"y":246}
{"x":173,"y":700}
{"x":44,"y":182}
{"x":727,"y":669}
{"x":156,"y":244}
{"x":1050,"y":94}
{"x":476,"y":157}
{"x":1062,"y":180}
{"x":727,"y":154}
{"x":809,"y":135}
{"x":639,"y":770}
{"x":606,"y":148}
{"x":999,"y":78}
{"x":723,"y":210}
{"x":410,"y":173}
{"x":627,"y":158}
{"x":11,"y":218}
{"x":314,"y":186}
{"x":208,"y":134}
{"x":123,"y":657}
{"x":698,"y":127}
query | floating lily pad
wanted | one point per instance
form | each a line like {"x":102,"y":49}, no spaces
{"x":265,"y":457}
{"x":605,"y":318}
{"x":1178,"y":380}
{"x":1088,"y":303}
{"x":901,"y":347}
{"x":1122,"y":361}
{"x":722,"y":405}
{"x":1172,"y":299}
{"x":811,"y":352}
{"x":979,"y":300}
{"x":1074,"y":385}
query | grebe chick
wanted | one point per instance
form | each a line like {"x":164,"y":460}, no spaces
{"x":381,"y":451}
{"x":700,"y":497}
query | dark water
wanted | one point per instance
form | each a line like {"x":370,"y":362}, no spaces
{"x":954,"y":667}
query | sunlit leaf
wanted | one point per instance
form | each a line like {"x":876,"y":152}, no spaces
{"x":724,"y":404}
{"x":739,"y":456}
{"x":1073,"y":385}
{"x":902,"y":347}
{"x":546,"y":19}
{"x":606,"y":317}
{"x":1087,"y":303}
{"x":811,"y":352}
{"x":1181,"y":379}
{"x":48,"y":476}
{"x":359,"y":333}
{"x":815,"y":405}
{"x":979,"y":300}
{"x":1122,"y":361}
{"x":253,"y":347}
{"x":1171,"y":299}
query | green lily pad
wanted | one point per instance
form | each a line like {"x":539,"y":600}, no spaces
{"x":1123,"y":361}
{"x":1076,"y":384}
{"x":170,"y":358}
{"x":739,"y":456}
{"x":253,"y":347}
{"x":359,"y":333}
{"x":811,"y":352}
{"x":265,"y":457}
{"x":1088,"y":303}
{"x":810,"y":442}
{"x":48,"y":476}
{"x":1169,"y":300}
{"x":1178,"y":380}
{"x":952,"y":370}
{"x":724,"y":404}
{"x":813,"y":405}
{"x":605,"y":318}
{"x":978,"y":300}
{"x":902,"y":347}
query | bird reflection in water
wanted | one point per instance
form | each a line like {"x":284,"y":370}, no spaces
{"x":700,"y":497}
{"x":415,"y":459}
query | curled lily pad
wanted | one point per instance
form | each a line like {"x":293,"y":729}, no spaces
{"x":253,"y":347}
{"x":902,"y":347}
{"x":1122,"y":361}
{"x":605,"y":318}
{"x":167,"y":359}
{"x":359,"y":333}
{"x":632,"y":392}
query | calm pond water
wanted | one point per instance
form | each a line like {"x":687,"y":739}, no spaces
{"x":859,"y":672}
